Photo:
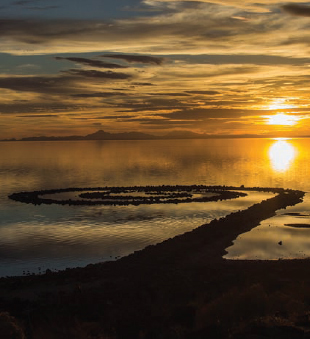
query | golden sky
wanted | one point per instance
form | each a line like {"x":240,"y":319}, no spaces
{"x":223,"y":67}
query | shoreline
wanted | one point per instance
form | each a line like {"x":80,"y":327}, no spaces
{"x":174,"y":283}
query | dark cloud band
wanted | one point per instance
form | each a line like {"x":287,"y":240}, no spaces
{"x":145,"y":59}
{"x":298,"y":10}
{"x":91,"y":62}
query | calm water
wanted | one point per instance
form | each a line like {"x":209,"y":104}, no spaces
{"x":34,"y":238}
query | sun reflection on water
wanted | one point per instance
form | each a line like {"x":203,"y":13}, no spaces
{"x":282,"y":154}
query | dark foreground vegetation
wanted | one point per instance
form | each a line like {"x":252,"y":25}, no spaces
{"x":180,"y":288}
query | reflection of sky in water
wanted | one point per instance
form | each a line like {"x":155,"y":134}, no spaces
{"x":55,"y":238}
{"x":263,"y":241}
{"x":60,"y":236}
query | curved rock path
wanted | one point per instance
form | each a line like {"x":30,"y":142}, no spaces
{"x":170,"y":290}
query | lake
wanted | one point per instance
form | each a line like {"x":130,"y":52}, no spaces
{"x":34,"y":238}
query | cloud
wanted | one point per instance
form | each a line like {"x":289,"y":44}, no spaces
{"x":73,"y":81}
{"x":36,"y":31}
{"x":25,"y":2}
{"x":45,"y":36}
{"x":145,"y":59}
{"x":97,"y":74}
{"x":242,"y":59}
{"x":45,"y":8}
{"x":114,"y":117}
{"x":210,"y":30}
{"x":166,"y":124}
{"x":153,"y":104}
{"x":38,"y":84}
{"x":168,"y":94}
{"x":142,"y":84}
{"x":163,"y":122}
{"x":32,"y":4}
{"x":200,"y":72}
{"x":91,"y":62}
{"x":189,"y":63}
{"x":99,"y":95}
{"x":39,"y":116}
{"x":211,"y":113}
{"x":296,"y":9}
{"x":204,"y":92}
{"x":38,"y":107}
{"x":259,"y":6}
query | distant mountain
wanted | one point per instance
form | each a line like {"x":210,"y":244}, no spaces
{"x":102,"y":135}
{"x":45,"y":138}
{"x":99,"y":135}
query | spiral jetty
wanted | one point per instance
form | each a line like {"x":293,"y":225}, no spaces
{"x":131,"y":195}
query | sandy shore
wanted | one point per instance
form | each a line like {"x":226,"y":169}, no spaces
{"x":180,"y":288}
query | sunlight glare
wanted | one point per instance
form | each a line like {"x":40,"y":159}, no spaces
{"x":280,"y":104}
{"x":282,"y":119}
{"x":281,"y":155}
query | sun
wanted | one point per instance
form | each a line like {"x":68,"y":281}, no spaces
{"x":282,"y":119}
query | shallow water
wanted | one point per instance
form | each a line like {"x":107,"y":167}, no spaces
{"x":284,"y":236}
{"x":55,"y":237}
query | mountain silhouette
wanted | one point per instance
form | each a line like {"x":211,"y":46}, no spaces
{"x":102,"y":135}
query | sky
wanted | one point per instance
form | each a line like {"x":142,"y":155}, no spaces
{"x":218,"y":67}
